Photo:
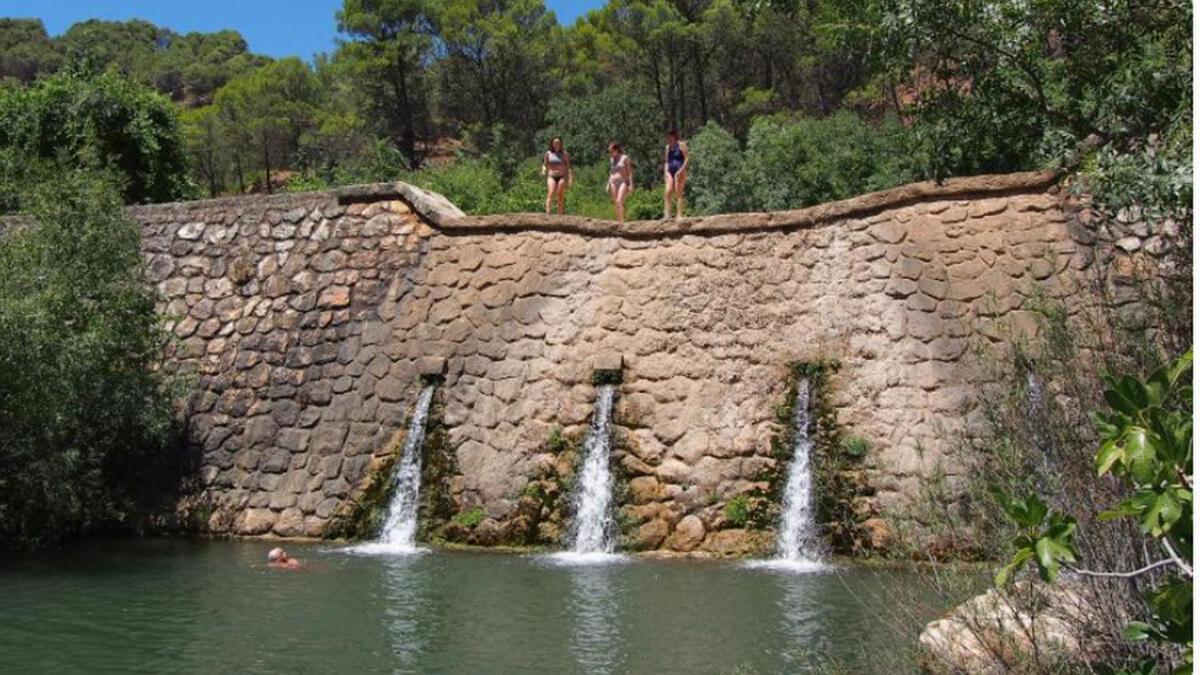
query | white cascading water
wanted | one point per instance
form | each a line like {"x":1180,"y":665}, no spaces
{"x":400,"y":528}
{"x":798,"y":538}
{"x":592,"y":531}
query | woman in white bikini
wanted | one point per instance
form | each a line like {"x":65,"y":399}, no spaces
{"x":675,"y":164}
{"x":556,"y":167}
{"x":620,"y":178}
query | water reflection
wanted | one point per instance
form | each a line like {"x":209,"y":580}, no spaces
{"x":596,"y":641}
{"x":800,"y":620}
{"x":407,"y":602}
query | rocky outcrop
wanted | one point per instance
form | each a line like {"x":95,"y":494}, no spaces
{"x":1029,"y":628}
{"x":304,"y":320}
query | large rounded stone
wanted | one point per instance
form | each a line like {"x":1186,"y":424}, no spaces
{"x":688,"y":534}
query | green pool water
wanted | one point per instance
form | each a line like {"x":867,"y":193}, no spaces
{"x":213,"y":606}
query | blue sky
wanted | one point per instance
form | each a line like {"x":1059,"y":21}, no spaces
{"x":273,"y":27}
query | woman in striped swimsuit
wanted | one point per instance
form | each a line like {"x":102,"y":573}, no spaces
{"x":556,"y":167}
{"x":674,"y":173}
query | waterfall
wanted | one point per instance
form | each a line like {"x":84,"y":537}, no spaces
{"x":400,"y":528}
{"x":593,"y":524}
{"x":798,"y":538}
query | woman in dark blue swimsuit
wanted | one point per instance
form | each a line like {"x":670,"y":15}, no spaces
{"x":674,"y":173}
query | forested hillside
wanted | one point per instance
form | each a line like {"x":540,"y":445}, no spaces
{"x":786,"y":103}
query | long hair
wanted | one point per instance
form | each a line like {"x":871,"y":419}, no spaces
{"x":614,"y":146}
{"x":560,"y":144}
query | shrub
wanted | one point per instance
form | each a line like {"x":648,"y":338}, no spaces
{"x":1146,"y":443}
{"x":84,"y":407}
{"x":715,"y":164}
{"x":100,"y":122}
{"x":792,"y":162}
{"x":618,"y":113}
{"x":737,"y":510}
{"x":470,"y":518}
{"x":795,"y":162}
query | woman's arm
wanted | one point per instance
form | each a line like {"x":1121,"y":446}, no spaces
{"x":545,"y":156}
{"x":687,"y":156}
{"x":570,"y":169}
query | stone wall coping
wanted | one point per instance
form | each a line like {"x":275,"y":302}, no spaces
{"x":972,"y":187}
{"x":443,"y":215}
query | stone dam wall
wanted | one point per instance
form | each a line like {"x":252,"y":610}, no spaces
{"x":306,"y":322}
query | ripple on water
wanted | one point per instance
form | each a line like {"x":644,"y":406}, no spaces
{"x":573,"y":559}
{"x":382,"y":548}
{"x":791,"y":566}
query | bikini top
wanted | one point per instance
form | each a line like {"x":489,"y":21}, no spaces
{"x":615,"y":165}
{"x":555,"y":159}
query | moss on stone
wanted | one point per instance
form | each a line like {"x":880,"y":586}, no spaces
{"x":470,"y":518}
{"x":362,"y":517}
{"x":836,"y":459}
{"x":439,"y":464}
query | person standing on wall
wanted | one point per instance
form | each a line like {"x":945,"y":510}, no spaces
{"x":556,"y":167}
{"x":620,"y":178}
{"x":675,"y":166}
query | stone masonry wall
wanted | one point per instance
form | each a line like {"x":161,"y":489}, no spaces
{"x":305,"y":319}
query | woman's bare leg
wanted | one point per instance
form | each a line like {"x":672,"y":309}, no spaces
{"x":562,"y":196}
{"x":622,"y":193}
{"x":551,"y":186}
{"x":680,"y":184}
{"x":668,"y":189}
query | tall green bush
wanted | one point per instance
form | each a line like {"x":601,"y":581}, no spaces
{"x":104,"y":122}
{"x":617,"y":113}
{"x":792,"y":162}
{"x":84,"y":407}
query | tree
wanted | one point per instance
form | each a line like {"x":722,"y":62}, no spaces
{"x":389,"y":43}
{"x":103,"y":122}
{"x":1011,"y":85}
{"x":498,"y":62}
{"x":188,"y":68}
{"x":85,"y":411}
{"x":269,"y":110}
{"x":205,"y":144}
{"x":617,"y":113}
{"x":26,"y":50}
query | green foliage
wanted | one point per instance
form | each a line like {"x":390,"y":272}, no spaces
{"x":388,"y":44}
{"x":618,"y":113}
{"x":1146,"y":442}
{"x":794,"y":162}
{"x":737,"y":510}
{"x":1014,"y":85}
{"x":85,"y":418}
{"x":470,"y":518}
{"x":265,"y":113}
{"x":1045,"y":538}
{"x":716,"y":166}
{"x":855,"y":447}
{"x":497,"y":68}
{"x":26,"y":50}
{"x":187,"y":68}
{"x":98,"y":122}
